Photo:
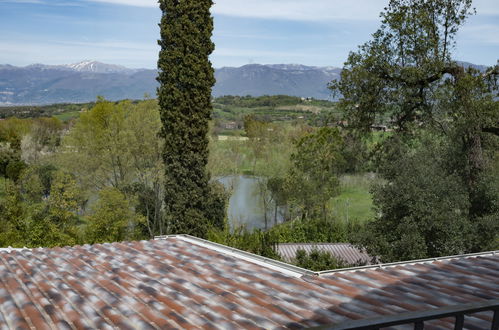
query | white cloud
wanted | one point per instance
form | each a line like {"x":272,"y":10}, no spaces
{"x":136,"y":3}
{"x":301,"y":10}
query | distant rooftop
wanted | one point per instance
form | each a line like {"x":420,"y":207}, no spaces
{"x":184,"y":282}
{"x":343,"y":251}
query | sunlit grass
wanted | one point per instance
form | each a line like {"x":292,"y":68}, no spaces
{"x":355,"y":200}
{"x":65,"y":116}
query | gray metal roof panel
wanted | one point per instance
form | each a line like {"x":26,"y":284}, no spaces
{"x":344,"y":251}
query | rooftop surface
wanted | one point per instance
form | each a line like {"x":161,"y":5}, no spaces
{"x":184,"y":282}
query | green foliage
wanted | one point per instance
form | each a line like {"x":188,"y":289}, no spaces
{"x":7,"y":155}
{"x":150,"y":206}
{"x":46,"y":131}
{"x":277,"y":188}
{"x":113,"y":219}
{"x":36,"y":181}
{"x":486,"y":222}
{"x":259,"y":242}
{"x":14,"y":169}
{"x":96,"y":146}
{"x":355,"y":152}
{"x":31,"y":185}
{"x":255,"y":129}
{"x":313,"y":177}
{"x":12,"y":218}
{"x":43,"y":138}
{"x":423,"y":208}
{"x":318,"y":260}
{"x":11,"y":133}
{"x":62,"y":112}
{"x":186,"y":78}
{"x":117,"y":144}
{"x":433,"y":200}
{"x":12,"y":130}
{"x":471,"y":103}
{"x":261,"y":101}
{"x":395,"y":74}
{"x":231,"y":110}
{"x":317,"y":230}
{"x":68,"y":116}
{"x":28,"y":221}
{"x":65,"y":200}
{"x":46,"y":174}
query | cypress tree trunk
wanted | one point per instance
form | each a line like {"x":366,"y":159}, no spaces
{"x":186,"y":78}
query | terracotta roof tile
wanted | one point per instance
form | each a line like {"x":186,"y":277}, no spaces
{"x":182,"y":282}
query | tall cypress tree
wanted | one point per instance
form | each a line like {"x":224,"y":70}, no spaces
{"x":186,"y":78}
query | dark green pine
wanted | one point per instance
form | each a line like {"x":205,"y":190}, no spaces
{"x":186,"y":78}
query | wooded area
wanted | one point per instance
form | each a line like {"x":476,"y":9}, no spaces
{"x":426,"y":185}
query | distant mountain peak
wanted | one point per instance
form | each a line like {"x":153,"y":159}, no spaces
{"x":291,"y":67}
{"x":97,"y":67}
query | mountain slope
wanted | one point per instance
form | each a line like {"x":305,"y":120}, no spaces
{"x":98,"y":67}
{"x":39,"y":84}
{"x":83,"y":82}
{"x":257,"y":80}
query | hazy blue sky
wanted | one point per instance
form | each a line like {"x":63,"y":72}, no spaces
{"x":312,"y":32}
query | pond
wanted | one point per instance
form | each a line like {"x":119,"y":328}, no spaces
{"x":250,"y":204}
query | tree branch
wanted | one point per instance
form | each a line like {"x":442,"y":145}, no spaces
{"x":492,"y":130}
{"x":456,"y":71}
{"x":491,"y":72}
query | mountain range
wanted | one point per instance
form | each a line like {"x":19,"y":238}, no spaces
{"x":39,"y":84}
{"x":83,"y":82}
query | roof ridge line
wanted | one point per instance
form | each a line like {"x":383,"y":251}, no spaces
{"x":248,"y":256}
{"x":316,"y":243}
{"x":408,"y":262}
{"x":287,"y":268}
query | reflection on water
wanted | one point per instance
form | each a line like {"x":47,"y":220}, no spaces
{"x":247,"y":202}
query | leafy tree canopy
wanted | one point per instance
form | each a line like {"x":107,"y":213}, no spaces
{"x":313,"y":177}
{"x":395,"y":75}
{"x":435,"y":199}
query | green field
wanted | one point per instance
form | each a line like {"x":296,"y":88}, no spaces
{"x":66,"y":116}
{"x":355,"y":201}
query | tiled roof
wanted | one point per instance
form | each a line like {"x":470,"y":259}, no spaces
{"x":344,"y":251}
{"x":182,"y":282}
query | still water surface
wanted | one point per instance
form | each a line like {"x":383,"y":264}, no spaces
{"x":246,"y":206}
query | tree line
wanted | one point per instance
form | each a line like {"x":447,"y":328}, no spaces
{"x":132,"y":170}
